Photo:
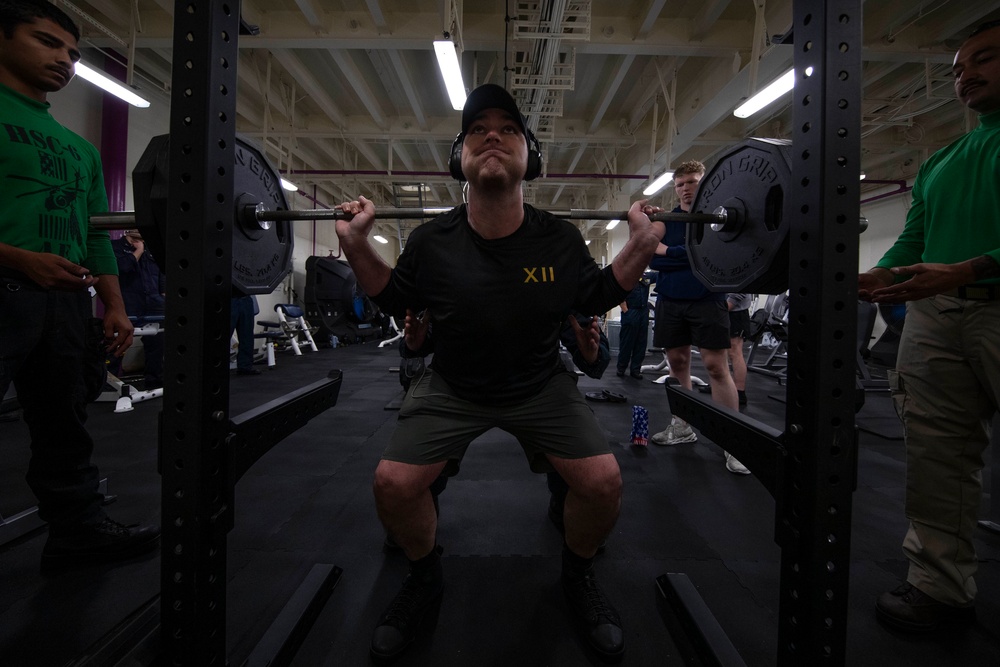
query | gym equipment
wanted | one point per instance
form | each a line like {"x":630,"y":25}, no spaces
{"x":334,"y":300}
{"x":291,"y":325}
{"x":773,"y":329}
{"x":737,"y":236}
{"x":749,"y":252}
{"x":262,"y":250}
{"x":809,"y":468}
{"x":120,"y":390}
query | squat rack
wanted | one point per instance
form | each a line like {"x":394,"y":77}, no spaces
{"x":810,"y":468}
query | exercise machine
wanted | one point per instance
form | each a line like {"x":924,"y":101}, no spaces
{"x":334,"y":300}
{"x":120,"y":390}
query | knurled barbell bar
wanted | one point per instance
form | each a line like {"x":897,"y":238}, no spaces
{"x":737,"y":235}
{"x":258,"y":214}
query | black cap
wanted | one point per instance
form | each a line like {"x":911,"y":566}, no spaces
{"x":491,"y":96}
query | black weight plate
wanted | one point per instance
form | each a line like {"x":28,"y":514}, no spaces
{"x":262,"y":257}
{"x":262,"y":254}
{"x":750,"y":254}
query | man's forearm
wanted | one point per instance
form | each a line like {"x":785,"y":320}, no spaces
{"x":12,"y":257}
{"x":631,"y":262}
{"x":985,"y":267}
{"x":110,"y":292}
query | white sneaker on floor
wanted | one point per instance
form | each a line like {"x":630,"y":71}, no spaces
{"x":678,"y":433}
{"x":734,"y":466}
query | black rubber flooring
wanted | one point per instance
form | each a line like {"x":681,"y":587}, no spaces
{"x":309,"y":501}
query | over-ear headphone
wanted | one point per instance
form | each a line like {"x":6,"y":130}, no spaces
{"x":533,"y":171}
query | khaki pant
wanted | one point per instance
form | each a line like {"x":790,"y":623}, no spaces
{"x":946,"y":389}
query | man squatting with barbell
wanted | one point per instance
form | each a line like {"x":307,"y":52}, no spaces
{"x":497,"y":260}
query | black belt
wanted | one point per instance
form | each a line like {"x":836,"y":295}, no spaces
{"x":975,"y":292}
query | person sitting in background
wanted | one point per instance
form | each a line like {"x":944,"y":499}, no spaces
{"x":144,"y":289}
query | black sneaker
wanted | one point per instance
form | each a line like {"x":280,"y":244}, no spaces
{"x":106,"y":541}
{"x":595,"y":616}
{"x":400,"y":622}
{"x":909,"y":609}
{"x":741,"y":397}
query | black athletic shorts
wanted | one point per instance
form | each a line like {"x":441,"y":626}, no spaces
{"x":436,"y":425}
{"x":704,"y":324}
{"x":739,"y":324}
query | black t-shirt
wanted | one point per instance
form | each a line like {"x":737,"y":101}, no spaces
{"x":498,"y":305}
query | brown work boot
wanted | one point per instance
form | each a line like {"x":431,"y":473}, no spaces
{"x":909,"y":609}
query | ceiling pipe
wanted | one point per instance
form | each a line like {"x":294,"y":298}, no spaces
{"x":903,"y":189}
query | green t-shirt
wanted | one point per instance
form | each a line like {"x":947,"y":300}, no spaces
{"x":955,"y":214}
{"x":51,"y":183}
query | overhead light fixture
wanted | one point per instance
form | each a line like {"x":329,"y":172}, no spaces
{"x":612,"y":225}
{"x":451,"y":71}
{"x":109,"y":85}
{"x":658,"y":183}
{"x":288,"y":185}
{"x":588,"y":241}
{"x":765,"y":96}
{"x":380,"y":238}
{"x":862,"y":176}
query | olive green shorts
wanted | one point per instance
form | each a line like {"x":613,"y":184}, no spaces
{"x":436,"y":425}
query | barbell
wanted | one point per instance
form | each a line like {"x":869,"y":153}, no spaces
{"x":737,"y":234}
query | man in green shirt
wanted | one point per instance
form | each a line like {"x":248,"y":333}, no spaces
{"x":49,"y":258}
{"x":946,"y":266}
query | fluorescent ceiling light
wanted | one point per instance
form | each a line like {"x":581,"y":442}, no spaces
{"x":862,"y":176}
{"x":612,"y":225}
{"x":288,"y":185}
{"x":588,"y":241}
{"x":380,"y":238}
{"x":773,"y":91}
{"x":109,"y":85}
{"x":451,"y":71}
{"x":659,"y":183}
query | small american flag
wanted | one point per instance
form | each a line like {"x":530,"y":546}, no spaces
{"x":640,"y":425}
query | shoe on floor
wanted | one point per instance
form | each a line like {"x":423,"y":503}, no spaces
{"x":742,"y":396}
{"x":620,"y":373}
{"x":678,"y":433}
{"x":734,"y":466}
{"x":247,"y":371}
{"x":595,"y":616}
{"x":405,"y":616}
{"x":107,"y":541}
{"x":635,"y":375}
{"x":909,"y":609}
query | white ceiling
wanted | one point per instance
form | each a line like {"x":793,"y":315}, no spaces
{"x":616,"y":90}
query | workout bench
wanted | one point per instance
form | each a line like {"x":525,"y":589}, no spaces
{"x":290,"y":326}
